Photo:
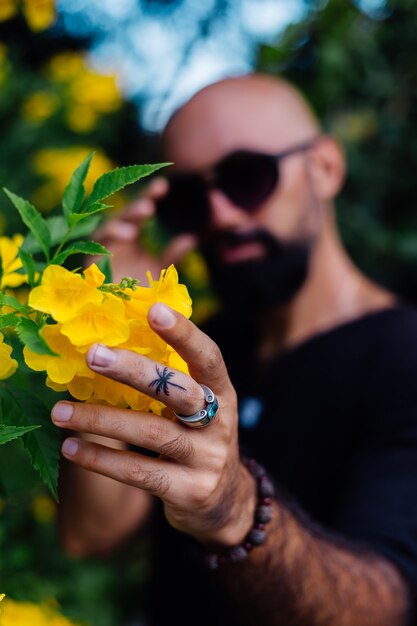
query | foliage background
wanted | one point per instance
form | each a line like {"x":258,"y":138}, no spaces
{"x":359,"y":70}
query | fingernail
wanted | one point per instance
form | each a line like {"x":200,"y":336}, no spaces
{"x":102,"y":356}
{"x":69,"y":447}
{"x":162,"y":315}
{"x":62,"y":412}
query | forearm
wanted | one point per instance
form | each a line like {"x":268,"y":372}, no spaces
{"x":97,"y":513}
{"x":301,"y":577}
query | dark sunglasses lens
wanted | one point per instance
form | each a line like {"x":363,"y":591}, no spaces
{"x":247,"y":178}
{"x":184,"y":208}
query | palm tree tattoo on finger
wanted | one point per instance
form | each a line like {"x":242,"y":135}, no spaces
{"x":163,"y":381}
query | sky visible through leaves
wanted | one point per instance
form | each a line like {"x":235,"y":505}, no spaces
{"x":165,"y":50}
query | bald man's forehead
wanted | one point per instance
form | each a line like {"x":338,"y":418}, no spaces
{"x":258,"y":115}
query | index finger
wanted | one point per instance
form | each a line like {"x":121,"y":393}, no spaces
{"x":199,"y":351}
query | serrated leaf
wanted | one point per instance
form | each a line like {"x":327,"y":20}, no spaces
{"x":33,"y":220}
{"x":28,"y":333}
{"x":117,"y":179}
{"x":58,"y":227}
{"x":28,"y":265}
{"x":8,"y":433}
{"x":75,"y":192}
{"x":8,"y":300}
{"x":80,"y":247}
{"x":22,"y":408}
{"x":9,"y":319}
{"x":98,"y":207}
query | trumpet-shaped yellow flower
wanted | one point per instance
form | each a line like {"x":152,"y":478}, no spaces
{"x":8,"y":365}
{"x":166,"y":289}
{"x":62,"y":293}
{"x":10,"y":262}
{"x":86,"y":315}
{"x":95,"y":322}
{"x":63,"y":367}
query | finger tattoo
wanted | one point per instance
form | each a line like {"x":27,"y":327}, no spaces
{"x":163,"y":380}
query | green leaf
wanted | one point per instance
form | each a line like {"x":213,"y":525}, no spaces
{"x":105,"y":266}
{"x":9,"y":319}
{"x":28,"y":333}
{"x":75,"y":192}
{"x":58,"y":227}
{"x":22,"y":408}
{"x":8,"y":433}
{"x":80,"y":247}
{"x":116,"y":180}
{"x":8,"y":300}
{"x":98,"y":207}
{"x":33,"y":220}
{"x":28,"y":265}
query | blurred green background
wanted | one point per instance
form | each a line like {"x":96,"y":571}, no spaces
{"x":356,"y":61}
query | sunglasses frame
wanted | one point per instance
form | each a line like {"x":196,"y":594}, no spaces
{"x":209,"y":178}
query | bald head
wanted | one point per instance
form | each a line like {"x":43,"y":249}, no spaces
{"x":255,"y":111}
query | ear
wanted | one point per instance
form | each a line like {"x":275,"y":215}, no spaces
{"x":327,"y":167}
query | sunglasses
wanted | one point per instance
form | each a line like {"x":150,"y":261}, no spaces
{"x":247,"y":178}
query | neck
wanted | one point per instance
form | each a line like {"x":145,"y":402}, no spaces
{"x":334,"y":293}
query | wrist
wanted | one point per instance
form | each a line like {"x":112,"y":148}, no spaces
{"x":237,"y":541}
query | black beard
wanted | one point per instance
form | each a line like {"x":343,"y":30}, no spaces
{"x":258,"y":284}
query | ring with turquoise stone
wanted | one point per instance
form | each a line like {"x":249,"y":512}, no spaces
{"x":204,"y":416}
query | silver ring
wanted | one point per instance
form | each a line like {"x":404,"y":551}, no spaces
{"x":204,"y":416}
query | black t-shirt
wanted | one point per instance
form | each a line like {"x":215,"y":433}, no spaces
{"x":334,"y":421}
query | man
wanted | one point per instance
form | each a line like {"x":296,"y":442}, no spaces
{"x":323,"y":362}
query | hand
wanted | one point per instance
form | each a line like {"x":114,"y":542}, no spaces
{"x":198,"y":475}
{"x":120,"y":235}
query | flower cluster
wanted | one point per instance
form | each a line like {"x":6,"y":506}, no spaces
{"x":15,"y":613}
{"x":39,"y":14}
{"x":83,"y":310}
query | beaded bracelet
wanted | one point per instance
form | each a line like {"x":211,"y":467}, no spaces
{"x":256,"y":536}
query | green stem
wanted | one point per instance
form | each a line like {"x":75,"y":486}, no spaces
{"x":62,"y":244}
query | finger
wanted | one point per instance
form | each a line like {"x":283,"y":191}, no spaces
{"x":177,"y":249}
{"x":123,"y":465}
{"x":116,"y":230}
{"x":170,"y":386}
{"x":201,"y":353}
{"x":139,"y":429}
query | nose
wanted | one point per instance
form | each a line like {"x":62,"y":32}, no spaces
{"x":223,"y":213}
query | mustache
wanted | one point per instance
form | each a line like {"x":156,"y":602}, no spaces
{"x":231,"y":239}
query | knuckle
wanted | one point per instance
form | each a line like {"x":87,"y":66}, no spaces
{"x":193,"y":401}
{"x":180,"y":448}
{"x":206,"y":488}
{"x":213,"y":358}
{"x":94,"y":417}
{"x":156,"y":481}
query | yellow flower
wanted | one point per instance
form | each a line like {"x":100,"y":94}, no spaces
{"x":62,"y":293}
{"x":29,"y":614}
{"x":39,"y":106}
{"x":44,"y":509}
{"x":8,"y":366}
{"x":105,"y":322}
{"x":8,"y":9}
{"x":86,"y":315}
{"x":39,"y":14}
{"x":10,"y":262}
{"x":166,"y":289}
{"x":61,"y":369}
{"x":57,"y":165}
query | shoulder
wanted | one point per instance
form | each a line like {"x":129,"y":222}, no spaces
{"x":391,"y":363}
